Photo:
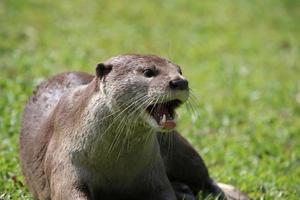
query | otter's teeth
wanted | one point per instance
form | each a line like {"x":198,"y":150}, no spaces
{"x":164,"y":119}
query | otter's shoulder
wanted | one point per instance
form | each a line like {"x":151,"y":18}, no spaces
{"x":48,"y":93}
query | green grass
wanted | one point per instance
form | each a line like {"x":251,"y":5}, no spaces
{"x":241,"y":57}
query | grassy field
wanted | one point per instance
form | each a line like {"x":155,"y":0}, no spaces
{"x":242,"y":59}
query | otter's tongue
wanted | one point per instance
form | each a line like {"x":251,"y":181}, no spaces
{"x":164,"y":116}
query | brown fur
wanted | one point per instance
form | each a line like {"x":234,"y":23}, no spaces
{"x":59,"y":161}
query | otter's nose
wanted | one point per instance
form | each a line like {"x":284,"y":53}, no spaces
{"x":179,"y":84}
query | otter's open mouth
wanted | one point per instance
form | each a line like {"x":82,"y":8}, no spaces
{"x":164,"y":113}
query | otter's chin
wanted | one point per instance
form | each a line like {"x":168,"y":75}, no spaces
{"x":162,"y":116}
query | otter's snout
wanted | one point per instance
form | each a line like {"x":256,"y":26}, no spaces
{"x":179,"y":84}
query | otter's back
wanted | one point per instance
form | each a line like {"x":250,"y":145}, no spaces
{"x":36,"y":112}
{"x":46,"y":97}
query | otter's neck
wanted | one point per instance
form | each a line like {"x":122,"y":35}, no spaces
{"x":115,"y":139}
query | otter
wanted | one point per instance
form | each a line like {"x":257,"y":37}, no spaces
{"x":112,"y":135}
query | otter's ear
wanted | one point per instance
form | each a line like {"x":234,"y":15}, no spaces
{"x":102,"y":70}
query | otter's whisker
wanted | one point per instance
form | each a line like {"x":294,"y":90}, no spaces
{"x":131,"y":128}
{"x":121,"y":125}
{"x":114,"y":121}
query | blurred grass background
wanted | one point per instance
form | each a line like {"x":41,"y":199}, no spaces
{"x":241,"y":57}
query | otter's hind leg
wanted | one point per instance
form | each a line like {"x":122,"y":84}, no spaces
{"x":184,"y":165}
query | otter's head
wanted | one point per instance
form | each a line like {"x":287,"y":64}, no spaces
{"x":147,"y":88}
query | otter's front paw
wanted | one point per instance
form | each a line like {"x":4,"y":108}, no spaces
{"x":183,"y":191}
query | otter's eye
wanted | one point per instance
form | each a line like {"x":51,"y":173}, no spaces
{"x":149,"y":73}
